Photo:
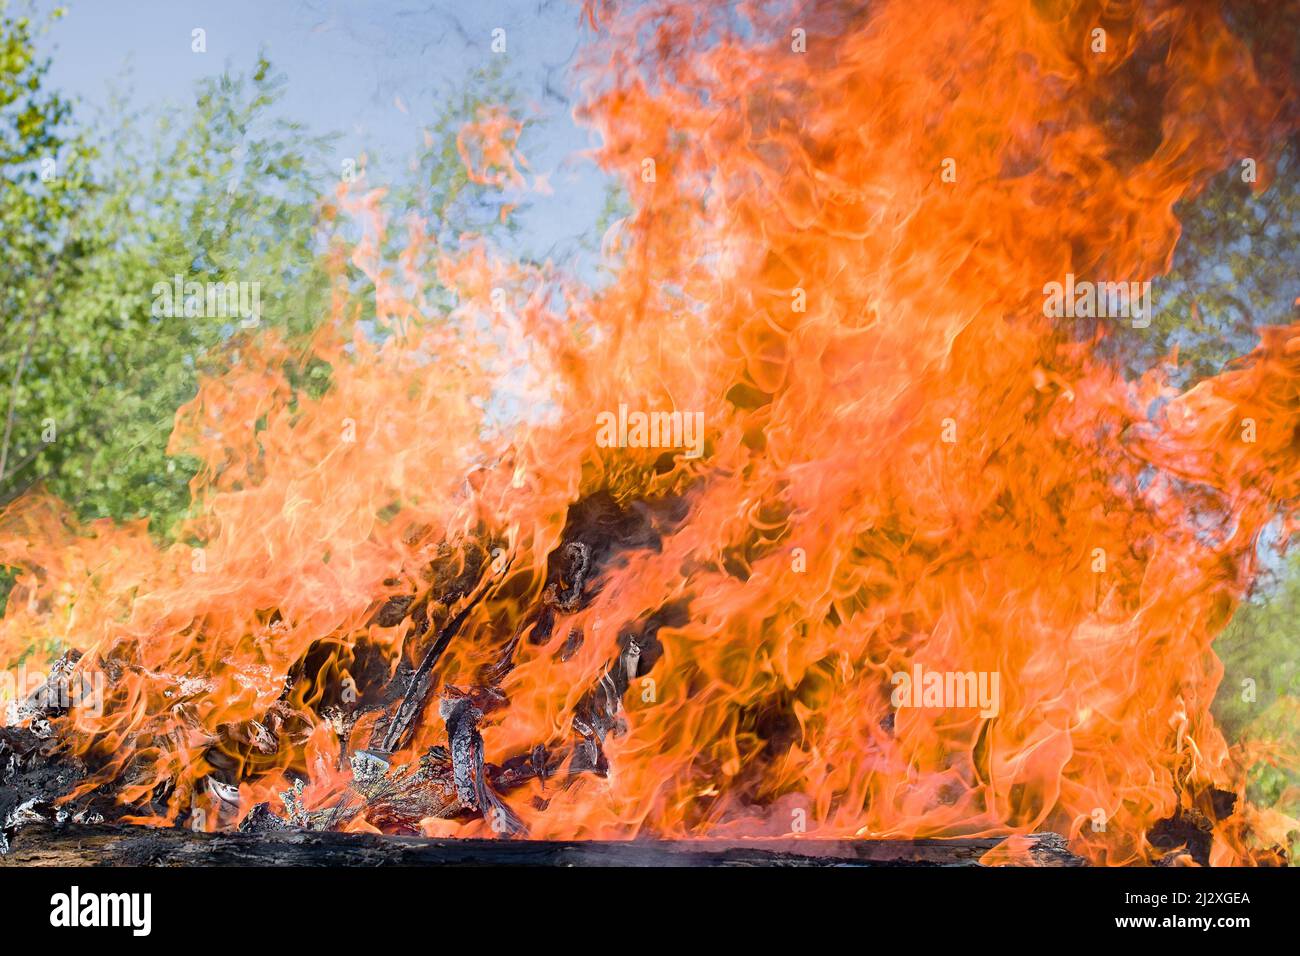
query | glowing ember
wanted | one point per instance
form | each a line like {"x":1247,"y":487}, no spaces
{"x":930,"y":569}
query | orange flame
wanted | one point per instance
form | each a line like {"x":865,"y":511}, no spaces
{"x":837,"y":259}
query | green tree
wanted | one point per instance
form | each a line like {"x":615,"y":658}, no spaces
{"x":222,"y":191}
{"x":1233,"y":271}
{"x":1259,"y":698}
{"x":227,"y":195}
{"x":44,"y":185}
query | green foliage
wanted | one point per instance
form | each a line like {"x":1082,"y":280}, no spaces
{"x":1235,"y":266}
{"x":1261,"y":644}
{"x":44,"y":180}
{"x":1234,"y":270}
{"x":449,"y":205}
{"x":223,"y":193}
{"x":1259,"y":698}
{"x":440,"y":190}
{"x":220,"y":191}
{"x":34,"y":205}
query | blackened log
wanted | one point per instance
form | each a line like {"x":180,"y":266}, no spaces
{"x":42,"y":844}
{"x":416,"y":697}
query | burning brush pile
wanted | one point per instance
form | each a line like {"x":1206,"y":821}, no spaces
{"x":812,"y":521}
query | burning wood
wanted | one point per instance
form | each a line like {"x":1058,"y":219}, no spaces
{"x":451,"y":782}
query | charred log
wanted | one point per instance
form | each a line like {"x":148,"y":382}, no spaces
{"x":84,"y":845}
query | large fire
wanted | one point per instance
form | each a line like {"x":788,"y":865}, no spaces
{"x":844,"y":222}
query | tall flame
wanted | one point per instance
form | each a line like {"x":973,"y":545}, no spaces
{"x":837,"y":257}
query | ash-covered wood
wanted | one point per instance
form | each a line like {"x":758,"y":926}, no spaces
{"x":32,"y":777}
{"x":105,"y":845}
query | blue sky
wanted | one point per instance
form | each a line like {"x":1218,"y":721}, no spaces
{"x":370,"y":71}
